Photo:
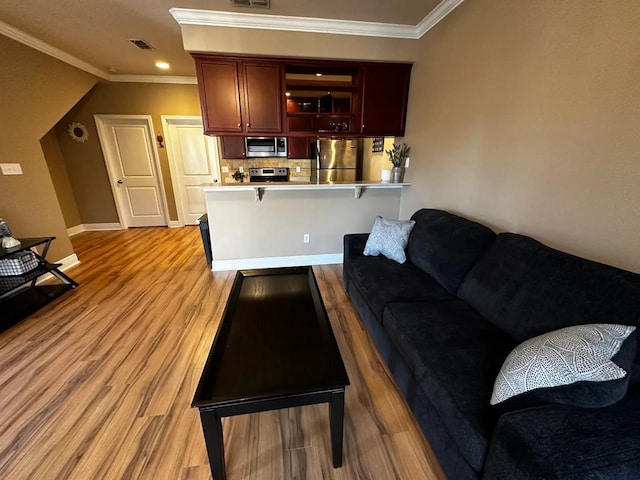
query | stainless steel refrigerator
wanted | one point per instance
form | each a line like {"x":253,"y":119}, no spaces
{"x":336,"y":160}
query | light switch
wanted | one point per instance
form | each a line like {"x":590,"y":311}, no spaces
{"x":298,"y":169}
{"x":11,"y":168}
{"x":241,"y":169}
{"x":225,"y":169}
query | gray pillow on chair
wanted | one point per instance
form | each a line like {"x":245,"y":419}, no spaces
{"x":389,"y":238}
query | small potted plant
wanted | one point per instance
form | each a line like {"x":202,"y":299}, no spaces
{"x":238,"y":176}
{"x":397,"y":156}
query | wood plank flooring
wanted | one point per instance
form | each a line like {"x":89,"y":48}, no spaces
{"x":98,"y":384}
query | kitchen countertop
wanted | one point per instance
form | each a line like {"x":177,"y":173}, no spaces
{"x":300,"y":186}
{"x":259,"y":187}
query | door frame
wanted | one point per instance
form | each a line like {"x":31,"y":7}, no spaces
{"x":176,"y":120}
{"x":102,"y":121}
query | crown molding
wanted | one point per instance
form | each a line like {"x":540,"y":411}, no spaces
{"x":37,"y":44}
{"x":443,"y":9}
{"x":154,"y":79}
{"x":187,"y":16}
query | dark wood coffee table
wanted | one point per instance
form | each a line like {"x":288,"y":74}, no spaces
{"x":274,"y":349}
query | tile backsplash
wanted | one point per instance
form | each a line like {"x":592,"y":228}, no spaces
{"x":234,"y":165}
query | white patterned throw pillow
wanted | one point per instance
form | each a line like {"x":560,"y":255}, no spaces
{"x":562,"y":357}
{"x":389,"y":238}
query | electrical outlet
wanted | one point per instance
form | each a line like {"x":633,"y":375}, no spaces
{"x":225,"y":169}
{"x":305,"y":238}
{"x":241,"y":169}
{"x":298,"y":169}
{"x":11,"y":168}
{"x":406,"y":162}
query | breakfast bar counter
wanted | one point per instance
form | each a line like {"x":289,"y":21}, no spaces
{"x":285,"y":224}
{"x":259,"y":188}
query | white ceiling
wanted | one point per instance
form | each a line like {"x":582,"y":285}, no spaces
{"x":97,"y":31}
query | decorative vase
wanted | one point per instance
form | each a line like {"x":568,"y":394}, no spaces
{"x":398,"y":174}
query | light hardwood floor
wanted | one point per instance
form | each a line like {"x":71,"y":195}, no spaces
{"x":98,"y":384}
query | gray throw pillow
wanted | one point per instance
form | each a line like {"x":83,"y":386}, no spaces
{"x":545,"y":365}
{"x":389,"y":238}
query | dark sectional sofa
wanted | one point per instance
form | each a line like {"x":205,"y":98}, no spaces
{"x":446,"y":320}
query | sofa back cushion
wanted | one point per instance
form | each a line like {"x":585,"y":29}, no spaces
{"x":445,"y":246}
{"x":526,"y":289}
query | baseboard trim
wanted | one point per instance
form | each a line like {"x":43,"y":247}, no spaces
{"x":75,"y":230}
{"x":175,"y":224}
{"x":92,"y":227}
{"x":67,"y":263}
{"x":272,"y":262}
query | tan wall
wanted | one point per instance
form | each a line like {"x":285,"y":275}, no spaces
{"x":198,"y":38}
{"x":375,"y":162}
{"x":35,"y":92}
{"x":85,"y":162}
{"x":242,"y":228}
{"x":60,"y":178}
{"x":526,"y":116}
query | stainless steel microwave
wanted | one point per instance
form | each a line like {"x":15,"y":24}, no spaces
{"x":265,"y":146}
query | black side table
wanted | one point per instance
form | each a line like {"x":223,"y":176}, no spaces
{"x":19,"y":294}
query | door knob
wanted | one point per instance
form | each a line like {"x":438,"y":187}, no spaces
{"x":120,"y":182}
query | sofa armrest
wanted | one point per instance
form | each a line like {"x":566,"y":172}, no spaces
{"x":568,"y":443}
{"x":354,"y":244}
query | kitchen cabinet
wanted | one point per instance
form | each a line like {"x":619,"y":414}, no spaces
{"x":385,"y":92}
{"x":299,"y":147}
{"x":232,"y":147}
{"x":239,"y":97}
{"x":260,"y":96}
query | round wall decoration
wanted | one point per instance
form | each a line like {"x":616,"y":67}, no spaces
{"x":78,"y":132}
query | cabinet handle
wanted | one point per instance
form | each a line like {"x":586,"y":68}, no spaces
{"x":248,"y":124}
{"x":239,"y":125}
{"x":363,"y":125}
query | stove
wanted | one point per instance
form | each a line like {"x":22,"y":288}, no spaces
{"x":272,"y":174}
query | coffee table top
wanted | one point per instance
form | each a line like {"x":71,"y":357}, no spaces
{"x":274,"y":340}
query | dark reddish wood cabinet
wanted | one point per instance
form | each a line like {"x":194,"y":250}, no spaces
{"x":248,"y":96}
{"x":385,"y":91}
{"x":299,"y":147}
{"x":232,"y":147}
{"x":241,"y":97}
{"x":219,"y":88}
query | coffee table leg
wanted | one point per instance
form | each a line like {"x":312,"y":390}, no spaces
{"x":336,"y":414}
{"x":212,"y":428}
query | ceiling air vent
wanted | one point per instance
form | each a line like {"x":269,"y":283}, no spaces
{"x":251,"y":3}
{"x":141,"y":44}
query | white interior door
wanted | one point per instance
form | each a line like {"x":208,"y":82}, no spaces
{"x":129,"y":148}
{"x":193,"y":161}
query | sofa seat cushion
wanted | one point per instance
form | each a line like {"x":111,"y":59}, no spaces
{"x":455,"y":355}
{"x":568,"y":443}
{"x":382,"y":281}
